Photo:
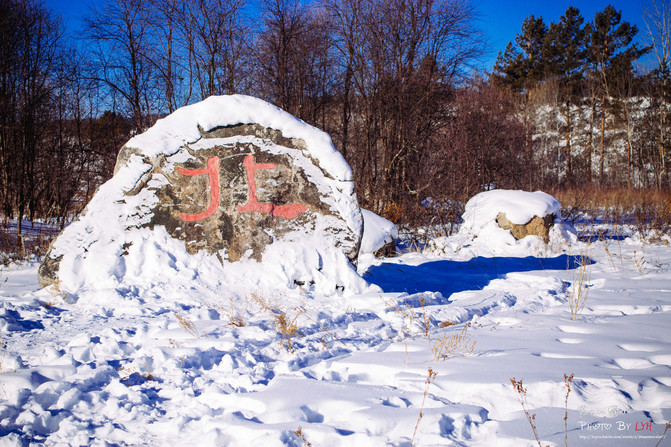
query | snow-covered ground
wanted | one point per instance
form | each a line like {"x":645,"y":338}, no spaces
{"x":428,"y":361}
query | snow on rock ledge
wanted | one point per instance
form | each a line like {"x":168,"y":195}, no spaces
{"x":227,"y":190}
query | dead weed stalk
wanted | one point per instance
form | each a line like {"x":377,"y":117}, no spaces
{"x":639,"y":262}
{"x":427,"y":383}
{"x":301,"y":436}
{"x":518,"y":386}
{"x":531,"y":417}
{"x":568,"y":380}
{"x":666,"y":429}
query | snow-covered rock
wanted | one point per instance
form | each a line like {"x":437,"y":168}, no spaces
{"x":378,"y":233}
{"x":482,"y":234}
{"x":230,"y":180}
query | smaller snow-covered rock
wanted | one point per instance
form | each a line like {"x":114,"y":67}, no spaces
{"x":500,"y":221}
{"x":379,"y":235}
{"x":519,"y":207}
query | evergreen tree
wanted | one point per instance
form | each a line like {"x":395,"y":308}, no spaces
{"x":611,"y":55}
{"x":523,"y":63}
{"x":565,"y":49}
{"x":565,"y":55}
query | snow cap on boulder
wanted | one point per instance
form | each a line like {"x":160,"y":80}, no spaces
{"x":230,"y":180}
{"x":379,"y":235}
{"x":501,"y":221}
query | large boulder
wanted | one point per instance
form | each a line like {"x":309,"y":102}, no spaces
{"x":233,"y":178}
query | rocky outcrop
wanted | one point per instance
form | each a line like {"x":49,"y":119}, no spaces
{"x":242,"y":187}
{"x":537,"y":226}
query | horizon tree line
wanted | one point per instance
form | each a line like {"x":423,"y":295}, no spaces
{"x":393,"y":83}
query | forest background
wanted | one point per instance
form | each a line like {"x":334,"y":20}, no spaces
{"x":566,"y":108}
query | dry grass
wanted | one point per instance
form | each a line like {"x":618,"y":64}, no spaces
{"x":285,"y":321}
{"x":287,"y":327}
{"x":579,"y":279}
{"x":639,"y":261}
{"x":232,"y":314}
{"x":410,"y":314}
{"x":57,"y":295}
{"x":14,"y":248}
{"x":648,"y":209}
{"x":132,"y":374}
{"x":301,"y":436}
{"x":186,"y":324}
{"x":453,"y":345}
{"x":620,"y":200}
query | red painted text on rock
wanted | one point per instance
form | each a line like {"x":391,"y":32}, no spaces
{"x":288,"y":211}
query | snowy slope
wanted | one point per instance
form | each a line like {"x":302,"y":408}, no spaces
{"x":178,"y":366}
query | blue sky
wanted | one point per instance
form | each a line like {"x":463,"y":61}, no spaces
{"x":500,"y":20}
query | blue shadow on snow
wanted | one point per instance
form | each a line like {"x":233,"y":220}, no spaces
{"x":449,"y":276}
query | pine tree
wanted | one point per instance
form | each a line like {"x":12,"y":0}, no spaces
{"x":565,"y":55}
{"x":523,"y":64}
{"x":611,"y":54}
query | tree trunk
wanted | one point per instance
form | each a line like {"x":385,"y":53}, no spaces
{"x":603,"y":129}
{"x":569,"y":176}
{"x":662,"y":143}
{"x":629,"y":148}
{"x":590,"y":142}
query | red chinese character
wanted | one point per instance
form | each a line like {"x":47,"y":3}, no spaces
{"x":288,"y":211}
{"x":212,"y":172}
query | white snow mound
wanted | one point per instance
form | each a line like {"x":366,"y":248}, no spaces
{"x":377,"y":232}
{"x":519,"y":207}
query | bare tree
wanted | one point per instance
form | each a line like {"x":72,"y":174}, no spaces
{"x":280,"y":58}
{"x":119,"y":32}
{"x":30,"y":45}
{"x":217,"y":45}
{"x":479,"y":146}
{"x":657,"y":15}
{"x":165,"y":53}
{"x":400,"y":59}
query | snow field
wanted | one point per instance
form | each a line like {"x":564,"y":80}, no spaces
{"x":234,"y":364}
